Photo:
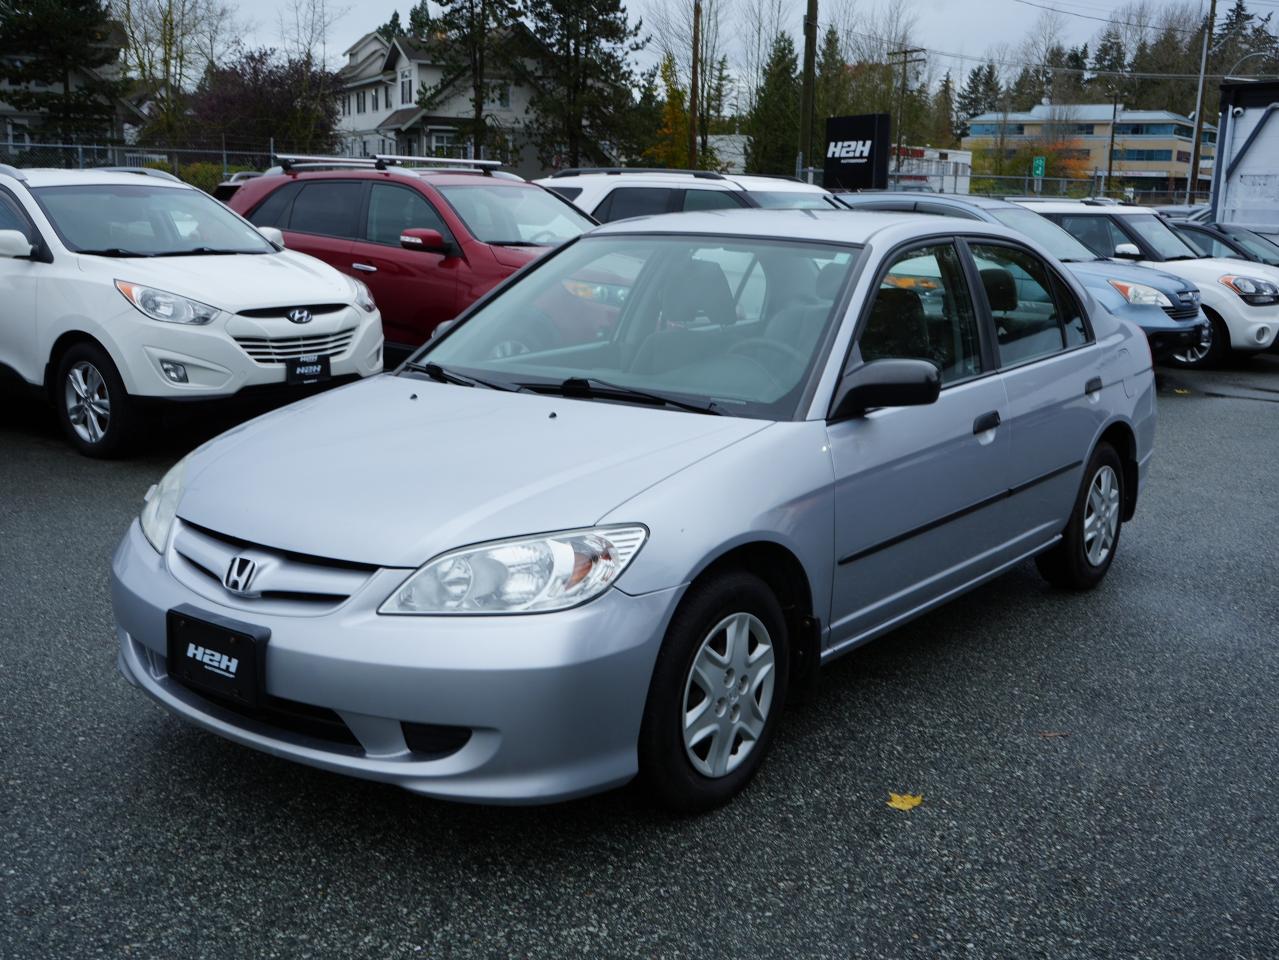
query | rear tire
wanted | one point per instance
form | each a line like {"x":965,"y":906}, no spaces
{"x":97,"y":415}
{"x":1207,"y":353}
{"x":1087,"y":547}
{"x":699,"y":747}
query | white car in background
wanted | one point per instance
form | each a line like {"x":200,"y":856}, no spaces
{"x":119,"y":291}
{"x":1240,"y":298}
{"x":618,"y":193}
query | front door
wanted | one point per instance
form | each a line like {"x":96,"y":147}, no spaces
{"x":416,"y":290}
{"x":920,"y":491}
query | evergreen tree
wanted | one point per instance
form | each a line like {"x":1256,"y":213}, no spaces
{"x":718,"y":98}
{"x":833,"y":88}
{"x":581,"y":76}
{"x":772,"y":126}
{"x":1111,"y":61}
{"x":46,"y":42}
{"x":670,"y":145}
{"x":392,"y":28}
{"x":981,"y":93}
{"x":643,"y":119}
{"x":475,"y":38}
{"x":942,"y":121}
{"x":420,"y":23}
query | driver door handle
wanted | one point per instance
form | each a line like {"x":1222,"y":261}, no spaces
{"x":1092,"y":386}
{"x":987,"y":421}
{"x":364,"y":267}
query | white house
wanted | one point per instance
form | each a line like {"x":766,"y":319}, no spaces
{"x":379,"y":112}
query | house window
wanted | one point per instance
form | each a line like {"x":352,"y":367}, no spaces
{"x":346,"y":105}
{"x":443,"y":143}
{"x":499,"y":95}
{"x":374,"y":91}
{"x":361,"y":101}
{"x":406,"y":86}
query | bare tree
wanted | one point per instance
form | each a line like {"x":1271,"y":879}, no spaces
{"x":673,"y":31}
{"x":305,"y":26}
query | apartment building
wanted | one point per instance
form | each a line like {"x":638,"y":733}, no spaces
{"x":1151,"y":147}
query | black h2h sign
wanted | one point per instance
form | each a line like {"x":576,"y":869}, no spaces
{"x":857,"y":151}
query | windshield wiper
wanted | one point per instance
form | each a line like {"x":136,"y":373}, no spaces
{"x":114,"y":252}
{"x":588,"y":387}
{"x":200,"y":252}
{"x":440,"y":375}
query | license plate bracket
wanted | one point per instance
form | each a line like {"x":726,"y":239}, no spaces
{"x":312,"y":368}
{"x":216,"y":655}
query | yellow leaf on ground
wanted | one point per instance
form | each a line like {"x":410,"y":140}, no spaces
{"x":1180,"y":392}
{"x":904,"y":801}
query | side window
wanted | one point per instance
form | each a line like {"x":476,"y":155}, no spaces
{"x":634,"y":202}
{"x":924,"y":310}
{"x":1072,"y":314}
{"x":392,"y":210}
{"x":1099,"y":234}
{"x":330,"y":209}
{"x":1019,"y":289}
{"x":274,"y":210}
{"x":710,"y":200}
{"x":1202,"y":243}
{"x":12,"y":218}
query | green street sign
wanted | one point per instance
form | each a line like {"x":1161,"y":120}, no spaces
{"x":1038,"y":166}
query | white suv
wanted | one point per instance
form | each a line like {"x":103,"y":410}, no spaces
{"x":118,"y":289}
{"x":1240,"y":297}
{"x":616,"y":193}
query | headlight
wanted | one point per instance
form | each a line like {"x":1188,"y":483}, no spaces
{"x":168,"y":307}
{"x":529,"y":575}
{"x":1252,"y":290}
{"x":162,"y":506}
{"x":363,"y":296}
{"x":1140,"y":294}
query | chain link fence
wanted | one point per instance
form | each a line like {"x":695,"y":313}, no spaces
{"x":202,"y":167}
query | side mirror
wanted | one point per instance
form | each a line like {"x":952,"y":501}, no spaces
{"x":886,"y":383}
{"x":273,"y":234}
{"x":441,"y":328}
{"x":1128,"y":251}
{"x":14,"y":244}
{"x":428,"y":241}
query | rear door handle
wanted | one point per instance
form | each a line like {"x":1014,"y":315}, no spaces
{"x":1092,"y":386}
{"x":987,"y":421}
{"x":364,"y":267}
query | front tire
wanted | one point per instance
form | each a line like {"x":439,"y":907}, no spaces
{"x":96,"y":413}
{"x":718,"y":688}
{"x":1208,"y":352}
{"x":1087,"y":548}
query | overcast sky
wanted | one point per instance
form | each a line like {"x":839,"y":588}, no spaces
{"x":967,"y":27}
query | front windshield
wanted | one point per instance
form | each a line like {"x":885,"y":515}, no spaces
{"x":1045,"y":233}
{"x":515,"y":216}
{"x":1255,"y":244}
{"x":730,"y":321}
{"x":145,"y":220}
{"x":1167,"y":244}
{"x":794,"y":200}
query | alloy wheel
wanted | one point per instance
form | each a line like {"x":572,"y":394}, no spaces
{"x":88,"y":402}
{"x":1195,"y":354}
{"x":1101,"y":516}
{"x":728,"y":694}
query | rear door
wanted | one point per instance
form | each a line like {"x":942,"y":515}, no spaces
{"x":1051,"y":369}
{"x":920,"y":491}
{"x":324,"y":219}
{"x":19,"y":333}
{"x":416,"y":290}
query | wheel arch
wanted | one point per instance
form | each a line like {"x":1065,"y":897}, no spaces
{"x":1119,"y":435}
{"x":61,"y":345}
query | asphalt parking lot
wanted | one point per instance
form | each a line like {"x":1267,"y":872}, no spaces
{"x":1100,"y":772}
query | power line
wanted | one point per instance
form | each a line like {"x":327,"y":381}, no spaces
{"x":1117,"y":23}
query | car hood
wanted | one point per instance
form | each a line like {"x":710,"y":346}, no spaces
{"x":236,"y":282}
{"x":1208,"y":270}
{"x":394,"y":470}
{"x":516,"y":257}
{"x":1096,"y":272}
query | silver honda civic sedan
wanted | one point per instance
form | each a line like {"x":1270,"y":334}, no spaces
{"x":637,"y":496}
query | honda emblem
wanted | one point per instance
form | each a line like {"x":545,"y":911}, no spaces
{"x":239,"y":576}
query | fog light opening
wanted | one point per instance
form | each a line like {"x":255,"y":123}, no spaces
{"x":175,"y":371}
{"x":1262,"y":334}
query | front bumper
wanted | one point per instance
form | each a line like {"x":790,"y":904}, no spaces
{"x":553,"y":701}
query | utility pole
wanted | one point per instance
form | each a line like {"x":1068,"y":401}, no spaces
{"x":693,"y":85}
{"x":1192,"y":175}
{"x":1114,"y":122}
{"x":808,"y":89}
{"x":908,"y":58}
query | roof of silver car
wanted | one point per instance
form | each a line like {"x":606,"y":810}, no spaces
{"x":838,"y":226}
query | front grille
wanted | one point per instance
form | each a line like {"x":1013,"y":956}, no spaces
{"x":282,"y":313}
{"x":279,"y":349}
{"x":1186,"y":307}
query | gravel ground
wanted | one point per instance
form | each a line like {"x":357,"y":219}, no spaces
{"x":1099,"y":772}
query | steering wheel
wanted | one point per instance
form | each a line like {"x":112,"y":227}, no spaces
{"x":753,"y":346}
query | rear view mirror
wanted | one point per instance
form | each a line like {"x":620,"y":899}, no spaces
{"x":1128,"y":251}
{"x":886,"y":383}
{"x":14,"y":244}
{"x":274,"y":235}
{"x":428,"y":241}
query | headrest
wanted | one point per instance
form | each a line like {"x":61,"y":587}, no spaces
{"x":829,"y":279}
{"x":703,"y":290}
{"x":898,"y":301}
{"x":1001,"y":288}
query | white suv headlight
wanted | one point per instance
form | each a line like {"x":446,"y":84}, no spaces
{"x":168,"y":307}
{"x":162,"y":506}
{"x":1252,"y":290}
{"x":536,"y":574}
{"x":1140,"y":294}
{"x":363,"y":296}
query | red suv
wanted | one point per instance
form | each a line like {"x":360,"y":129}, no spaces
{"x":466,"y":231}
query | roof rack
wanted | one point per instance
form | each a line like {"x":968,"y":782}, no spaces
{"x":14,"y":172}
{"x":143,"y":171}
{"x":484,"y":165}
{"x":295,"y":161}
{"x":614,"y":171}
